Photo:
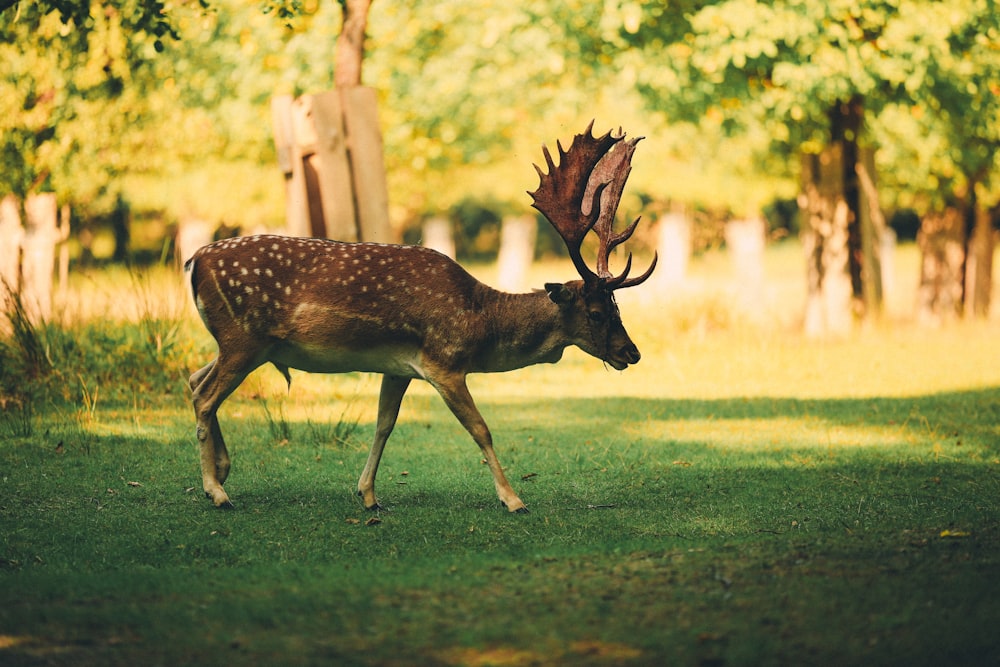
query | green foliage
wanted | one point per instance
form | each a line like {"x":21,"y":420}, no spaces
{"x":95,"y":99}
{"x":774,"y":70}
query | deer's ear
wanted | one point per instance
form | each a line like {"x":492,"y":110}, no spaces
{"x":560,"y":294}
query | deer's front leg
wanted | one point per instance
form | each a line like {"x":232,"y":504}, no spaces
{"x":390,"y":398}
{"x":455,"y":393}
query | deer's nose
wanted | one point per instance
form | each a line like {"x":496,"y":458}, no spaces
{"x":630,"y":353}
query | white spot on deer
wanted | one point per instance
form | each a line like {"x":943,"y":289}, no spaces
{"x":275,"y":246}
{"x":256,"y":271}
{"x":243,"y":271}
{"x":222,"y":273}
{"x":264,"y":297}
{"x":236,"y":263}
{"x":288,"y":290}
{"x":268,"y":273}
{"x":248,"y":289}
{"x":222,"y":262}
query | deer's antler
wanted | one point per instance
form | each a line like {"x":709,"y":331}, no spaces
{"x":582,"y":194}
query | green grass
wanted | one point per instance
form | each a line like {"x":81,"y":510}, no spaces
{"x":741,"y":497}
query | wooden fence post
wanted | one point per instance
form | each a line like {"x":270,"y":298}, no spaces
{"x":371,"y":193}
{"x":517,"y":251}
{"x":437,"y":235}
{"x":290,"y":163}
{"x":330,"y":150}
{"x":38,"y":260}
{"x":674,"y":248}
{"x":745,"y":243}
{"x":333,"y":167}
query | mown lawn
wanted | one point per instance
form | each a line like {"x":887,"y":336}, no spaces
{"x":741,"y":497}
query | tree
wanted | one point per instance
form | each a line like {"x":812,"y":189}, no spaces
{"x":812,"y":71}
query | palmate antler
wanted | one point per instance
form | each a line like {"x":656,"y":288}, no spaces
{"x":582,"y":193}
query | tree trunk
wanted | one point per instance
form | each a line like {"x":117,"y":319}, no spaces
{"x":824,"y":237}
{"x":979,"y":265}
{"x":942,"y":247}
{"x":845,"y":127}
{"x":517,"y":250}
{"x":674,"y":248}
{"x":351,"y":43}
{"x":745,"y":242}
{"x":41,"y":236}
{"x":873,"y":232}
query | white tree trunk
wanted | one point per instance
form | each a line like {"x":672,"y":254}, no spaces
{"x":38,"y":261}
{"x":517,"y":251}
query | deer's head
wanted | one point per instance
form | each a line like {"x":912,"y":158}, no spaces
{"x":580,"y":196}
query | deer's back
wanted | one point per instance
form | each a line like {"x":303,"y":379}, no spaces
{"x":319,"y":303}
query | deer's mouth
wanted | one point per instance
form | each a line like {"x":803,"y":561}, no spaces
{"x":628,"y":354}
{"x":617,"y":364}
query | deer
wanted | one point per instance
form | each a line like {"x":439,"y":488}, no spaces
{"x":411,"y":313}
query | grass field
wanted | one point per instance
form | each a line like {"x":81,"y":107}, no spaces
{"x":741,"y":497}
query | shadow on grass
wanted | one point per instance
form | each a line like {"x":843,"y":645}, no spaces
{"x":758,"y":531}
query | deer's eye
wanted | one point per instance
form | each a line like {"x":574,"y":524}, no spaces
{"x":596,"y":316}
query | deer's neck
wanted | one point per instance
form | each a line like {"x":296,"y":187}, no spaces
{"x":524,"y":329}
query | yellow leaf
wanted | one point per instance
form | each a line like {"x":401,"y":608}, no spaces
{"x":955,"y":533}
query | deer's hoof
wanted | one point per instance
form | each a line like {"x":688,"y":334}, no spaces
{"x":220,"y":500}
{"x":519,"y":510}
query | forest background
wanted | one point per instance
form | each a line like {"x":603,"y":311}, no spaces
{"x":161,"y":110}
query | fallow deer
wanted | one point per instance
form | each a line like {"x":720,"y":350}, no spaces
{"x":409,"y":312}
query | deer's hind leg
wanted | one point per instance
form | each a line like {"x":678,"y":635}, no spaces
{"x":211,"y":385}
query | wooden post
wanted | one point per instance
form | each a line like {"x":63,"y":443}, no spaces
{"x":330,"y":151}
{"x":192,"y":234}
{"x":333,"y":167}
{"x":63,"y":242}
{"x":371,"y":194}
{"x":745,"y":243}
{"x":40,"y":239}
{"x":437,"y":235}
{"x":290,"y":163}
{"x":517,"y":251}
{"x":674,"y":248}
